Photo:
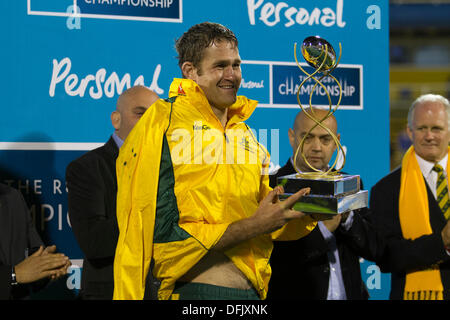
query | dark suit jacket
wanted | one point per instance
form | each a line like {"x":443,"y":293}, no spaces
{"x":92,"y":185}
{"x":300,"y":269}
{"x":92,"y":188}
{"x":402,"y":255}
{"x":17,"y":235}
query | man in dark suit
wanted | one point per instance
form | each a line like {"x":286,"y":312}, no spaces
{"x":92,"y":187}
{"x":19,"y":268}
{"x":323,"y":265}
{"x":411,"y":208}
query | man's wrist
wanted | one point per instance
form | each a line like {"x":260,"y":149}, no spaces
{"x":347,"y":220}
{"x":446,"y":246}
{"x":13,"y":276}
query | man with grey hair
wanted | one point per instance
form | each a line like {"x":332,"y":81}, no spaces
{"x":429,"y":98}
{"x":412,"y":208}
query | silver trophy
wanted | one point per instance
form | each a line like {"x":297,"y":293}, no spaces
{"x":331,"y":191}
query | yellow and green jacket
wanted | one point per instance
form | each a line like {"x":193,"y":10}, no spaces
{"x":182,"y":180}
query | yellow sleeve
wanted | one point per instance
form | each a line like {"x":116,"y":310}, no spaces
{"x":137,"y":169}
{"x":295,"y":229}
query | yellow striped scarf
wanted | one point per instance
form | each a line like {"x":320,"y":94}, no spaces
{"x":415,"y":222}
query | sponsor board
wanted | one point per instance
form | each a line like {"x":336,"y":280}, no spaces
{"x":141,"y":10}
{"x":276,"y":84}
{"x":63,"y":74}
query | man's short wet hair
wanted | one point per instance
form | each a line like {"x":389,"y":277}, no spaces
{"x":192,"y":44}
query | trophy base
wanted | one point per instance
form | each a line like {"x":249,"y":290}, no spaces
{"x":327,"y":204}
{"x":322,"y":185}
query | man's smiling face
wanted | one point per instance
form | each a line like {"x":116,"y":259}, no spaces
{"x":429,"y":132}
{"x":219,"y":74}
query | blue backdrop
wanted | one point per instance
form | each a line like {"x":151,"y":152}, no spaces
{"x":64,"y":63}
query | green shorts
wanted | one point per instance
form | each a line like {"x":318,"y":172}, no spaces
{"x":202,"y":291}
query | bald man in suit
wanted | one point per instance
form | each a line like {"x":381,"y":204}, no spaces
{"x":324,"y":265}
{"x":92,"y":185}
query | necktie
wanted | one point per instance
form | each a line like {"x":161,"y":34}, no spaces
{"x":442,"y":191}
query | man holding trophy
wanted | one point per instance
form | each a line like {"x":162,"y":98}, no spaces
{"x":209,"y":238}
{"x":325,"y":262}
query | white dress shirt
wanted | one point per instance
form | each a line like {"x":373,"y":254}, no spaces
{"x":336,"y":288}
{"x":117,"y":140}
{"x":430,"y":175}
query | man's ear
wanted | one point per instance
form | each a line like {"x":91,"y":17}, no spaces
{"x":338,"y":136}
{"x":409,"y":133}
{"x":291,"y":135}
{"x":189,"y":71}
{"x":115,"y":119}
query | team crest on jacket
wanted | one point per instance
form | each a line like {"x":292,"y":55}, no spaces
{"x":245,"y":143}
{"x":180,"y":90}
